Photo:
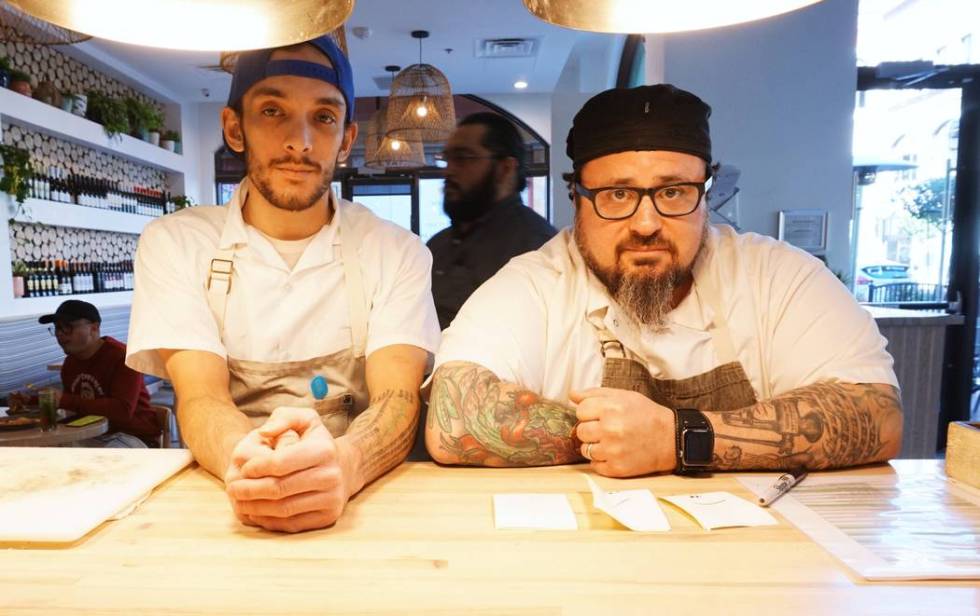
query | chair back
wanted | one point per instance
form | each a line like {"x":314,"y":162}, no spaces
{"x":165,"y":418}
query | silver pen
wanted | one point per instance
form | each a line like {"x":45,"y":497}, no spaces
{"x":782,"y":486}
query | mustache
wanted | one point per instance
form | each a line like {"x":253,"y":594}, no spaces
{"x":303,"y":161}
{"x":451,"y":184}
{"x":651,"y":241}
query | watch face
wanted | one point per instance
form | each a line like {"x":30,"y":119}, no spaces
{"x":698,"y":446}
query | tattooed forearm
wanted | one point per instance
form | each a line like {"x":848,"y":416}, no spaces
{"x":825,"y":425}
{"x":384,"y":432}
{"x":477,"y":419}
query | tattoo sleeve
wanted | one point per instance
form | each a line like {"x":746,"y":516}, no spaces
{"x":385,"y":431}
{"x":477,"y":419}
{"x":820,"y":426}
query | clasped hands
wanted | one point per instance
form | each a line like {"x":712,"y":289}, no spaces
{"x":624,"y":433}
{"x":290,"y":474}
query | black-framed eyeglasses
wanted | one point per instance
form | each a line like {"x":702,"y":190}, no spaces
{"x":621,"y":202}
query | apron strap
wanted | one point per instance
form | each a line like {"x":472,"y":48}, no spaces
{"x":609,"y":345}
{"x":355,"y":285}
{"x":219,"y":284}
{"x":223,"y":266}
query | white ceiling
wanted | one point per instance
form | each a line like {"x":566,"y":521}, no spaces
{"x":454,"y":24}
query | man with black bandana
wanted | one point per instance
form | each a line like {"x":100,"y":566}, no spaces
{"x":648,"y":340}
{"x":485,"y":174}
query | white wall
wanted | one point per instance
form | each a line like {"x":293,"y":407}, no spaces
{"x":533,"y":109}
{"x":591,"y":68}
{"x":203,"y":122}
{"x":782,"y":92}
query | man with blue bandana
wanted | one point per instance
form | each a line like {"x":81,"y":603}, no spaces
{"x":295,"y":326}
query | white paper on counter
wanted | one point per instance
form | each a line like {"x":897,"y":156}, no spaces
{"x":721,"y":510}
{"x":533,"y":512}
{"x":635,"y":509}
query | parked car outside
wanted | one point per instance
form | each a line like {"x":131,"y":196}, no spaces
{"x":879,"y":274}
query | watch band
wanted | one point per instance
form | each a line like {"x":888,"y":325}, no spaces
{"x":695,"y":440}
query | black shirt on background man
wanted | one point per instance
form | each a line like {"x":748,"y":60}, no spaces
{"x":485,"y":174}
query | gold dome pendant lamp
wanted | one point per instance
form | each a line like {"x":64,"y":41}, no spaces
{"x":656,"y":16}
{"x":206,"y":25}
{"x":421,"y":102}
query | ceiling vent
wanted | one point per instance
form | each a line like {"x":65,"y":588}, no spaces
{"x":507,"y":48}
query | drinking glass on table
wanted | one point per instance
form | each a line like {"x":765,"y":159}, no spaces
{"x":47,"y":399}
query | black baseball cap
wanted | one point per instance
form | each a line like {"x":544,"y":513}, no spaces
{"x":657,"y":117}
{"x":72,"y":310}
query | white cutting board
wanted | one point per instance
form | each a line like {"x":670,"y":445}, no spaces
{"x":58,"y":494}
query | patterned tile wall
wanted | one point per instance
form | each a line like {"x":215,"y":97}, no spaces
{"x":29,"y":242}
{"x":45,"y":63}
{"x":48,"y":151}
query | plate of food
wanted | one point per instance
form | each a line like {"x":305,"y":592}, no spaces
{"x":18,"y":423}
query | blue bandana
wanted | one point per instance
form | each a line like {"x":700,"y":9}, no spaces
{"x":254,"y":66}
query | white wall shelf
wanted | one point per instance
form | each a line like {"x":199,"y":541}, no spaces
{"x":56,"y":214}
{"x":25,"y":111}
{"x":29,"y":306}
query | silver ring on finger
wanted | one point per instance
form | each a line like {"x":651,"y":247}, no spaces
{"x":588,"y":451}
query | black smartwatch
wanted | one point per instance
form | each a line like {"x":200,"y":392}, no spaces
{"x":695,"y":441}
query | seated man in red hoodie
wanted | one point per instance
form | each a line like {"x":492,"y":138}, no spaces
{"x":97,"y":381}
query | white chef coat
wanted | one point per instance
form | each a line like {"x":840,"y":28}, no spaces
{"x":275,"y":314}
{"x":791,"y":321}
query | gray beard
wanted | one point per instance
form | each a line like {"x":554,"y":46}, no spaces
{"x":645,"y":298}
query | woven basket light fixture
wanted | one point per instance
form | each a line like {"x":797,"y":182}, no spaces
{"x":383,"y":151}
{"x":421,"y":101}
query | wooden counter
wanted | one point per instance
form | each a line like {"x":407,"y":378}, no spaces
{"x":422,"y":540}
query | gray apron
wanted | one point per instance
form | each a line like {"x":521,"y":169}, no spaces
{"x":258,"y":388}
{"x":724,"y":388}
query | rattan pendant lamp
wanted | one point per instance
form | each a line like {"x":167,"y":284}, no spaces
{"x":384,"y":151}
{"x":421,"y":101}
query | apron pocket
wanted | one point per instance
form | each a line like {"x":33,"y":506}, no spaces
{"x":335,"y":412}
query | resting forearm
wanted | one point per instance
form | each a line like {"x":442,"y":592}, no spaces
{"x":477,"y":419}
{"x":382,"y":435}
{"x":825,"y":425}
{"x":212,"y":427}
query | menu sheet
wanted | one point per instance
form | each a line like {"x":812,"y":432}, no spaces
{"x":887,"y":527}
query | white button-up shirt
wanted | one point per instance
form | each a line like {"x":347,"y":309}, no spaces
{"x":275,"y":314}
{"x":792,"y":323}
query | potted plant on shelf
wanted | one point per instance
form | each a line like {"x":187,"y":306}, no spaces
{"x":20,"y":82}
{"x":46,"y":92}
{"x":16,"y":165}
{"x":109,"y":112}
{"x":67,"y":100}
{"x":170,"y":140}
{"x":143,"y":118}
{"x":20,"y":272}
{"x":155,"y":126}
{"x":79,"y":104}
{"x":181,"y":201}
{"x":4,"y":72}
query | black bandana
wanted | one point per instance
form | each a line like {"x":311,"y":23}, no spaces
{"x":659,"y":117}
